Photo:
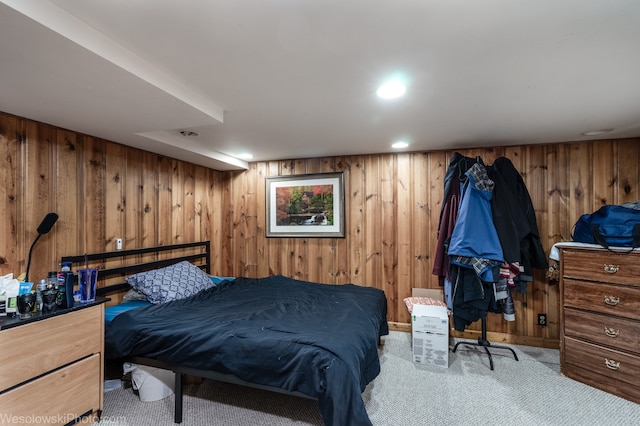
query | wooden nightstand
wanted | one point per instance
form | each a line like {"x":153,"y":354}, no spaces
{"x":52,"y":366}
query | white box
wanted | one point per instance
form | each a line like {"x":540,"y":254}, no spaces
{"x":430,"y":335}
{"x":430,"y":318}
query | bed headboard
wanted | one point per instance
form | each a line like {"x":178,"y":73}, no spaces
{"x":115,"y":266}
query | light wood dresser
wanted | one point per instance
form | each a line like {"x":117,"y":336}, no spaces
{"x":600,"y":319}
{"x":51,"y":366}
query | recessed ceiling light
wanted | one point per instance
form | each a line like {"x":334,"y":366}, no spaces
{"x":188,"y":133}
{"x":596,"y":132}
{"x":392,"y":89}
{"x":399,"y":145}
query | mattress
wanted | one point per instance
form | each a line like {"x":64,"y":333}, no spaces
{"x":111,"y":311}
{"x":316,"y":339}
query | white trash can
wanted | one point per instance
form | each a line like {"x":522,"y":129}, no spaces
{"x":151,"y":383}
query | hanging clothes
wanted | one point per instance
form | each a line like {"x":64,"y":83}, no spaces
{"x":515,"y":219}
{"x":458,"y":166}
{"x":471,"y":297}
{"x":488,"y":239}
{"x":474,"y":250}
{"x":474,"y":242}
{"x":448,"y":219}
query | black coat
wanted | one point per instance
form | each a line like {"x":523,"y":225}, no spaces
{"x":514,"y":217}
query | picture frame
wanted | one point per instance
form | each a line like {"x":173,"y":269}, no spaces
{"x":303,"y":206}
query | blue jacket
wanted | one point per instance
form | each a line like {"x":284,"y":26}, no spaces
{"x":474,"y":236}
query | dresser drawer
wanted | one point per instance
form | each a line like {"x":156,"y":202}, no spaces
{"x":60,"y":396}
{"x":33,"y":349}
{"x":607,"y":362}
{"x":602,"y":265}
{"x":604,"y":383}
{"x":618,"y":333}
{"x":611,"y":299}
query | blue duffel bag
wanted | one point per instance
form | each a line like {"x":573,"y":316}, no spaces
{"x":609,"y":226}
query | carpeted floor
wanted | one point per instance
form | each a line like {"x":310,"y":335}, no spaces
{"x":526,"y":392}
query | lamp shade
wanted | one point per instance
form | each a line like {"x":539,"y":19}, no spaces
{"x":47,"y":223}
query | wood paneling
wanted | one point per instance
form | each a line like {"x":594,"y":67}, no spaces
{"x":103,"y":191}
{"x":9,"y":190}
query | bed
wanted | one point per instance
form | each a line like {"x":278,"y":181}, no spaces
{"x":308,"y":339}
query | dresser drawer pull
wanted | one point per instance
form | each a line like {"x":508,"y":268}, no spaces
{"x":611,"y":300}
{"x":611,"y":269}
{"x":611,"y":332}
{"x":611,"y":364}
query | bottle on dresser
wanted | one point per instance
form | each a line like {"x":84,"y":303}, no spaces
{"x":66,"y":281}
{"x":42,"y":285}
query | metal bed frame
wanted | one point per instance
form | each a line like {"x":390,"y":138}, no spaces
{"x":198,"y":253}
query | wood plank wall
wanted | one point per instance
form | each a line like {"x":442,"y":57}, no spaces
{"x":103,"y":191}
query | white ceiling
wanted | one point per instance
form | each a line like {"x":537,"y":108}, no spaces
{"x":288,"y":79}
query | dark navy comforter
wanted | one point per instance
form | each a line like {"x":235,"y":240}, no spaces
{"x":317,"y":339}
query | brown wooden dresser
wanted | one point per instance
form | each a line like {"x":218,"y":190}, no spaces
{"x":51,"y":366}
{"x":600,"y":319}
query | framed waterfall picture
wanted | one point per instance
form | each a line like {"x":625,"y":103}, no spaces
{"x":305,"y":206}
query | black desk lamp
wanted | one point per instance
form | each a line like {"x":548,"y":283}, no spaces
{"x":45,"y":226}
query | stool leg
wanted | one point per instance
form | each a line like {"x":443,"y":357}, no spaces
{"x":483,"y":342}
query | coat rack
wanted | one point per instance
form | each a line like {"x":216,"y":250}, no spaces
{"x":484,"y":343}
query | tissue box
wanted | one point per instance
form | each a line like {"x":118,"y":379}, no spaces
{"x":9,"y":290}
{"x":430,"y":335}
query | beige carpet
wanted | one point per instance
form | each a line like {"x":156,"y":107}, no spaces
{"x":525,"y":392}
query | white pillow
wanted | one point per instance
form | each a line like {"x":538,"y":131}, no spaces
{"x":173,"y":282}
